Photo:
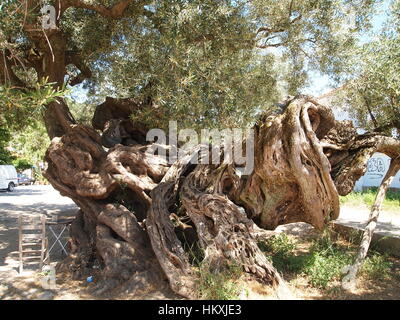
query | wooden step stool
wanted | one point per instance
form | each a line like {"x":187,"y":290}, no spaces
{"x":32,"y":241}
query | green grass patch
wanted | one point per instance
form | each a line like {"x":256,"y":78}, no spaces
{"x":391,"y":202}
{"x":325,"y":259}
{"x":280,"y":250}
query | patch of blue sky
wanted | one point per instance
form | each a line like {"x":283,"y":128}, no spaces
{"x":319,"y":83}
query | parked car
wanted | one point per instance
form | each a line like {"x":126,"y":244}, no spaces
{"x":8,"y":177}
{"x":25,"y":180}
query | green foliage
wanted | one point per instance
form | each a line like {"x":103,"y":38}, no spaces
{"x":204,"y":63}
{"x":21,"y":108}
{"x":372,"y":91}
{"x":22,"y":164}
{"x":377,"y":266}
{"x":325,"y":260}
{"x":323,"y":267}
{"x":198,"y":72}
{"x":221,"y":285}
{"x":82,"y":112}
{"x":31,"y":142}
{"x":5,"y":155}
{"x":281,"y":252}
{"x":322,"y":264}
{"x":201,"y":62}
{"x":281,"y":244}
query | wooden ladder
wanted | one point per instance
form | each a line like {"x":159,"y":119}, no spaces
{"x":32,"y":241}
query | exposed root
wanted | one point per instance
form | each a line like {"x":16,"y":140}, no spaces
{"x":225,"y":232}
{"x":165,"y":243}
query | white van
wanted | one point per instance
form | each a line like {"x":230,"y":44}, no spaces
{"x":8,"y":178}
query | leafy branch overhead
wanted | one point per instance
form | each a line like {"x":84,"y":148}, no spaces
{"x":205,"y":54}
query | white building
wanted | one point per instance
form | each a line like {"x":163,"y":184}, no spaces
{"x":379,"y":163}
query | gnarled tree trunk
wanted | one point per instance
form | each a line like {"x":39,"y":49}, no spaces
{"x":133,"y":204}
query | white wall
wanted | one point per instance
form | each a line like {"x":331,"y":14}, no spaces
{"x":378,"y":165}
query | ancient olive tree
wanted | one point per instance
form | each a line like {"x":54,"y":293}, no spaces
{"x":206,"y":64}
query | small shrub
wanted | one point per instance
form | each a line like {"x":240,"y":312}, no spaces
{"x":325,"y":266}
{"x":354,"y":237}
{"x":326,"y":261}
{"x":22,"y":164}
{"x":280,"y":244}
{"x":280,"y":251}
{"x":377,"y":267}
{"x":322,"y":264}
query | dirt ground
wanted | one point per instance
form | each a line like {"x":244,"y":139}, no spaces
{"x":45,"y":200}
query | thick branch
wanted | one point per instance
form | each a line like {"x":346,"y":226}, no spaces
{"x":349,"y":153}
{"x":165,"y":243}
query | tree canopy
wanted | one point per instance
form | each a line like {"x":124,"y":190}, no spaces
{"x":204,"y":63}
{"x":371,"y":92}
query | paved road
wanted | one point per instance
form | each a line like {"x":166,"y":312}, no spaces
{"x":26,"y":200}
{"x":388,"y":222}
{"x":34,"y":199}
